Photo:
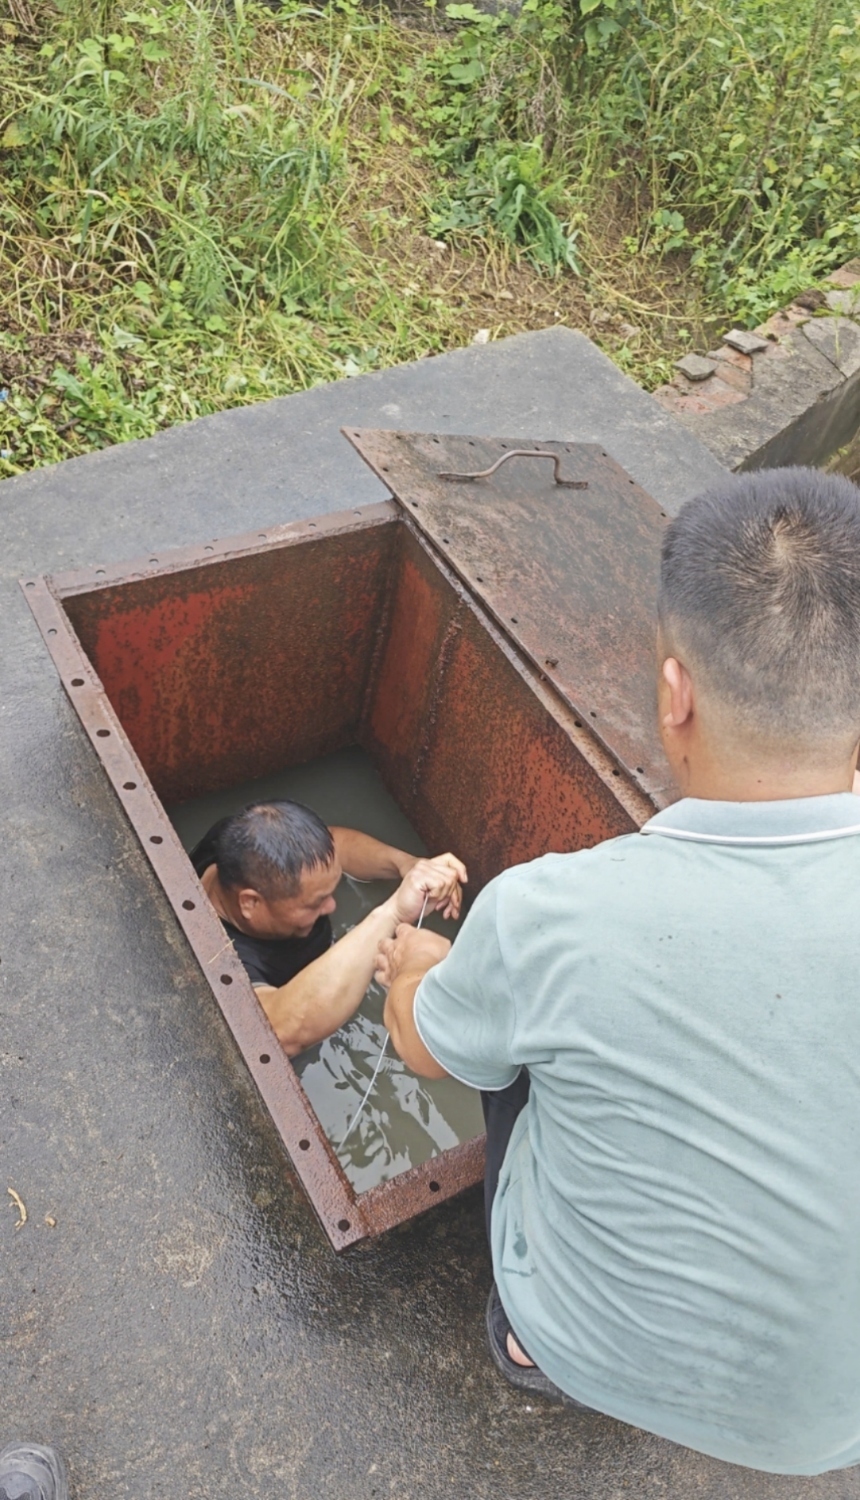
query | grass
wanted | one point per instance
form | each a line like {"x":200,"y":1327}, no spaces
{"x":201,"y":208}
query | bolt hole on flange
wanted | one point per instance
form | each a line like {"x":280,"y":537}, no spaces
{"x":189,"y":905}
{"x":53,"y":630}
{"x":102,"y":733}
{"x":264,"y":1057}
{"x":640,"y":770}
{"x":434,"y":1187}
{"x":77,"y":682}
{"x":226,"y":978}
{"x":304,"y":1145}
{"x":155,"y":838}
{"x":343,"y":1225}
{"x":129,"y":786}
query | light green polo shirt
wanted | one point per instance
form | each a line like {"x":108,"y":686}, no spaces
{"x":676,"y":1236}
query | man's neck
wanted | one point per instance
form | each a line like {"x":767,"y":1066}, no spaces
{"x":720,"y":782}
{"x":222,"y":901}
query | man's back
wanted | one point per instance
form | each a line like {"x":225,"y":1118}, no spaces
{"x":676,"y":1234}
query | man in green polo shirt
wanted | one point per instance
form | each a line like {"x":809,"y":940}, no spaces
{"x":668,"y":1025}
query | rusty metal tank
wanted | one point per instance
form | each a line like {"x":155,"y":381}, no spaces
{"x":487,"y":635}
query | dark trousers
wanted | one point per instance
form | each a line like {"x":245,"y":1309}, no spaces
{"x":500,"y":1112}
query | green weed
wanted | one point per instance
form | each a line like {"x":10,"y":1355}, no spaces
{"x":203,"y":206}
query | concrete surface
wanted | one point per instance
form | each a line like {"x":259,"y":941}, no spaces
{"x":182,"y":1329}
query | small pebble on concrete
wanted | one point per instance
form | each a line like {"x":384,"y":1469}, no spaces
{"x":695,"y":366}
{"x":747,"y":343}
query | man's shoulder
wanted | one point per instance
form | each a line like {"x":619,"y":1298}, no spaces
{"x":576,"y":865}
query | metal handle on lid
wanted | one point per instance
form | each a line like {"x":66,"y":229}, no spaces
{"x":571,"y":484}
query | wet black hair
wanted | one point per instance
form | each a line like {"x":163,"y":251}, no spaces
{"x":269,"y":846}
{"x":760,"y":590}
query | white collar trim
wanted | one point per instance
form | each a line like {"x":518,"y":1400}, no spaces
{"x":760,"y":840}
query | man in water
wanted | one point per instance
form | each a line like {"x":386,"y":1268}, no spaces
{"x":271,"y":872}
{"x":668,"y":1029}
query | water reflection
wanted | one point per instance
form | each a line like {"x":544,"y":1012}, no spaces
{"x":403,"y":1121}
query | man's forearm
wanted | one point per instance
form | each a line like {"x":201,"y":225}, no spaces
{"x":400,"y":1020}
{"x":325,"y":994}
{"x":366,"y":858}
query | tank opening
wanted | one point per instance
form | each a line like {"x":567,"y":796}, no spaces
{"x":352,"y":646}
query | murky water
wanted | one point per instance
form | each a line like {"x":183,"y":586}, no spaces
{"x":406,"y":1119}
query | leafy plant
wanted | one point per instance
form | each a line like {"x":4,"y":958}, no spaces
{"x":505,"y":191}
{"x":205,"y":205}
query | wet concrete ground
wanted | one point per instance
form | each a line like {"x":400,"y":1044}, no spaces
{"x":182,"y":1329}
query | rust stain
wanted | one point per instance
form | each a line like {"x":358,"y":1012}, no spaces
{"x":570,"y":578}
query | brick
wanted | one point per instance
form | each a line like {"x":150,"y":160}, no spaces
{"x":782,"y":323}
{"x":847,"y":275}
{"x":669,"y":398}
{"x":738,"y":377}
{"x":727,"y":356}
{"x":704,"y":396}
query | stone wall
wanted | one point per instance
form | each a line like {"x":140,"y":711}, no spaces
{"x":787,"y":393}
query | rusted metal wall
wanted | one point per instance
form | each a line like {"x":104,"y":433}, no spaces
{"x":229,"y":669}
{"x":472,"y":749}
{"x":560,"y":548}
{"x":234,"y":668}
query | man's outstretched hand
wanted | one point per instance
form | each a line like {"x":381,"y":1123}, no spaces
{"x":408,"y":952}
{"x":439,"y":880}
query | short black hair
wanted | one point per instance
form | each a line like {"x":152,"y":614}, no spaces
{"x":268,"y":847}
{"x":760,"y":587}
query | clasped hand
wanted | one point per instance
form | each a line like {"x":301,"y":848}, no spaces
{"x":438,"y":881}
{"x":410,"y":952}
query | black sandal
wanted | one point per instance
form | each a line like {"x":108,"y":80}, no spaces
{"x":527,"y":1378}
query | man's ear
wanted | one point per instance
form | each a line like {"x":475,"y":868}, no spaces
{"x":250,"y":902}
{"x":676,"y":697}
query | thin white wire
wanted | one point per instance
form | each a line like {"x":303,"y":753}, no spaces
{"x":369,"y":1090}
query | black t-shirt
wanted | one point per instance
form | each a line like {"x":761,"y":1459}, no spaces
{"x":272,"y":961}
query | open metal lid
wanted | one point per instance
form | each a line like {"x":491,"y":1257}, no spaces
{"x":562,"y":548}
